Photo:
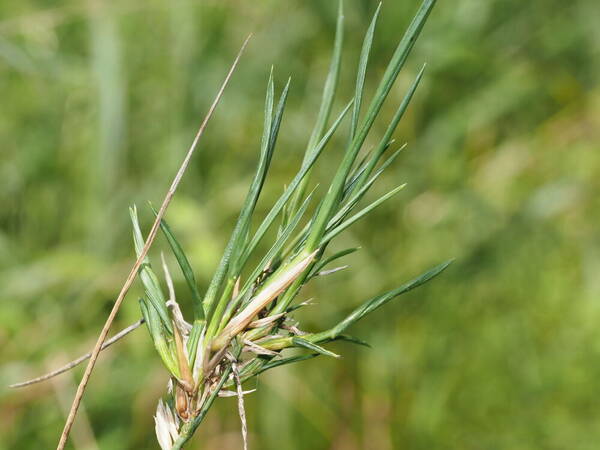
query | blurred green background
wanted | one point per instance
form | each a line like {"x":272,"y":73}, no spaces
{"x":99,"y":101}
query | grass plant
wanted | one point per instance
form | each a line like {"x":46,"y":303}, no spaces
{"x":243,"y":324}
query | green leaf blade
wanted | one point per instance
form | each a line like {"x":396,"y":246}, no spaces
{"x":362,"y":71}
{"x":378,"y":301}
{"x":147,"y":276}
{"x":359,"y":215}
{"x":304,"y":343}
{"x":185,"y":266}
{"x":333,"y":196}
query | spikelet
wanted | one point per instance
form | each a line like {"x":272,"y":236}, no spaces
{"x":166,"y":425}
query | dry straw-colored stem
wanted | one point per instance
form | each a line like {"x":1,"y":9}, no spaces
{"x":134,"y":270}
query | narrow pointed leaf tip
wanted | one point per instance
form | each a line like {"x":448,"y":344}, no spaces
{"x":362,"y":71}
{"x":376,"y":302}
